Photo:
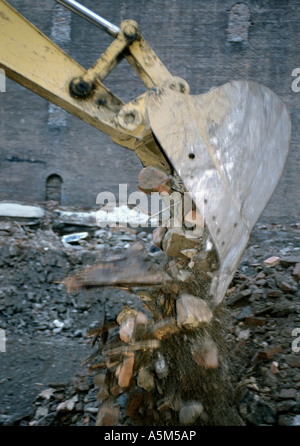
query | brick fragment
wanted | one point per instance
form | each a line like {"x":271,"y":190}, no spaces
{"x":272,"y":261}
{"x":115,"y":390}
{"x":267,"y":354}
{"x":127,"y":328}
{"x":125,"y":374}
{"x":254,"y":321}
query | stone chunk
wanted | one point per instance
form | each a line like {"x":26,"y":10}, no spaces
{"x":152,"y":179}
{"x":67,"y":405}
{"x":192,"y":311}
{"x":176,"y":240}
{"x":296,"y":272}
{"x":206,"y":356}
{"x":293,"y":360}
{"x":289,"y":260}
{"x":189,"y":413}
{"x":288,"y":394}
{"x":194,"y":220}
{"x":140,"y":327}
{"x":158,"y":235}
{"x":164,"y":328}
{"x":272,"y":261}
{"x":161,"y":367}
{"x":99,"y":380}
{"x":145,"y":380}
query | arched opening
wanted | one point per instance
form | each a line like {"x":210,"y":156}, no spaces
{"x":239,"y":22}
{"x":54,"y":188}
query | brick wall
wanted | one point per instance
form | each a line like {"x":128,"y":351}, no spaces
{"x":206,"y":42}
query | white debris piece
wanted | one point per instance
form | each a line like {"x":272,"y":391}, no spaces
{"x":124,"y":216}
{"x":20,"y":210}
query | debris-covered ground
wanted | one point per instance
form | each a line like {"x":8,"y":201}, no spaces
{"x":42,"y":382}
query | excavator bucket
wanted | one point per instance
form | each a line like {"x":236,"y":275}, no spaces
{"x":229,"y":146}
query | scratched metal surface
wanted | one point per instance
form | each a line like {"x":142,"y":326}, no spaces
{"x":229,"y":146}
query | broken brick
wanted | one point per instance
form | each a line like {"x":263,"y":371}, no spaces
{"x":152,"y":179}
{"x":115,"y":390}
{"x":267,"y":354}
{"x":125,"y":374}
{"x":254,"y":321}
{"x":108,"y":415}
{"x":135,"y":402}
{"x":272,"y":261}
{"x":99,"y":380}
{"x":127,"y":328}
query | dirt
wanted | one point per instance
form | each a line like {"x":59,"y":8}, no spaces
{"x":45,"y":326}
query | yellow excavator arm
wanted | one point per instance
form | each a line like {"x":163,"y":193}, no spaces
{"x":33,"y":60}
{"x":227,"y":148}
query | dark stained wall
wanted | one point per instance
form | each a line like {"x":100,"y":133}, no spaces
{"x":207,"y":42}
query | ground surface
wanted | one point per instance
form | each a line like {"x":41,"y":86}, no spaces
{"x":46,"y":327}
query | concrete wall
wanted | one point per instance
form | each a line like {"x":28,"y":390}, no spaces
{"x":206,"y":42}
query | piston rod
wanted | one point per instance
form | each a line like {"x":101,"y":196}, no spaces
{"x":91,"y":16}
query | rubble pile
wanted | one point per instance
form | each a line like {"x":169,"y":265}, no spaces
{"x":146,"y":348}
